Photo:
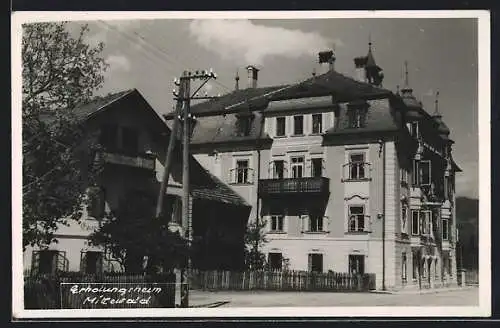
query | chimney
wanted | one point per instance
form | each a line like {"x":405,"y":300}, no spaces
{"x":252,"y":76}
{"x":360,"y":68}
{"x":324,"y":58}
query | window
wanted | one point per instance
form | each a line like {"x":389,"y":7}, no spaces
{"x":424,"y":170}
{"x":445,"y":229}
{"x":279,"y":169}
{"x":415,"y":222}
{"x":414,"y":129}
{"x":297,"y":164}
{"x":242,"y":171}
{"x":244,"y":124}
{"x":317,"y":123}
{"x":425,"y":219}
{"x":315,"y":223}
{"x":315,"y":262}
{"x":91,"y":262}
{"x":404,"y":176}
{"x":356,"y":118}
{"x":173,"y":209}
{"x":403,"y":267}
{"x":414,"y":176}
{"x":47,"y":261}
{"x":436,"y":272}
{"x":356,"y":218}
{"x":415,"y":264}
{"x":109,"y":137}
{"x":356,"y":264}
{"x":317,"y":167}
{"x":357,"y":167}
{"x":280,"y":126}
{"x":404,"y":218}
{"x":277,"y":223}
{"x":298,"y":125}
{"x":97,"y":202}
{"x":275,"y":261}
{"x":130,"y":140}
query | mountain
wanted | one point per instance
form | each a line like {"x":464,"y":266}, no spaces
{"x":467,"y":212}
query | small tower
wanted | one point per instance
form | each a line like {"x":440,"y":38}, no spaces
{"x":367,"y":69}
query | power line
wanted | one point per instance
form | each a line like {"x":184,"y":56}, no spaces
{"x":164,"y":54}
{"x":133,"y":40}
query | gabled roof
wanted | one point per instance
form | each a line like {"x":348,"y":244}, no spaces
{"x":84,"y":111}
{"x":205,"y":185}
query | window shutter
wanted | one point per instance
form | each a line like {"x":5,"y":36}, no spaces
{"x":326,"y":223}
{"x":271,"y":170}
{"x":305,"y":221}
{"x":324,"y":121}
{"x":309,"y":262}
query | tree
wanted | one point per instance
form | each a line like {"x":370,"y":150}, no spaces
{"x":132,"y":234}
{"x":255,"y":239}
{"x":59,"y":71}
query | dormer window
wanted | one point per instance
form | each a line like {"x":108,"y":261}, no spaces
{"x":244,"y":124}
{"x":356,"y":113}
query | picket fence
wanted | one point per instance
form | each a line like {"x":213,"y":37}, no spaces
{"x":44,"y":291}
{"x":281,"y":281}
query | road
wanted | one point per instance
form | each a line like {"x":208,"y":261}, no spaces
{"x":466,"y":297}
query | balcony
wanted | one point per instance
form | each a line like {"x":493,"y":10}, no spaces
{"x":292,"y":186}
{"x":141,"y":161}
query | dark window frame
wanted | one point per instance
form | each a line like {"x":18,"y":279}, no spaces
{"x":316,"y":223}
{"x":356,"y":221}
{"x":314,"y":172}
{"x":294,"y":162}
{"x":277,"y":223}
{"x":357,"y":169}
{"x":317,"y":125}
{"x":415,"y":225}
{"x":280,"y":121}
{"x":298,"y":129}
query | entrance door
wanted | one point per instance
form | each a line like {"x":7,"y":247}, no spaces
{"x":356,"y":264}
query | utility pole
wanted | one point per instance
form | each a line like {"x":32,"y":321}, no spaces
{"x":170,"y":149}
{"x":183,"y":98}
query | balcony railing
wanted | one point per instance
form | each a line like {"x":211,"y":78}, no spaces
{"x":142,"y":161}
{"x":313,"y":185}
{"x":356,"y":171}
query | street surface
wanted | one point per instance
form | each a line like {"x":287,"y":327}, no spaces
{"x":466,"y":297}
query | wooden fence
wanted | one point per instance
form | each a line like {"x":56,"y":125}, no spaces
{"x":53,"y":291}
{"x":281,"y":281}
{"x":471,"y":277}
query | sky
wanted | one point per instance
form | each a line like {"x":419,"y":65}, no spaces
{"x":441,"y":55}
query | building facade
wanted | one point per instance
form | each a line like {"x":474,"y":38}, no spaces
{"x":348,"y":176}
{"x":134,"y":140}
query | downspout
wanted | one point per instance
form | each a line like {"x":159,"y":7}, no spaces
{"x":382,"y":149}
{"x":257,"y":193}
